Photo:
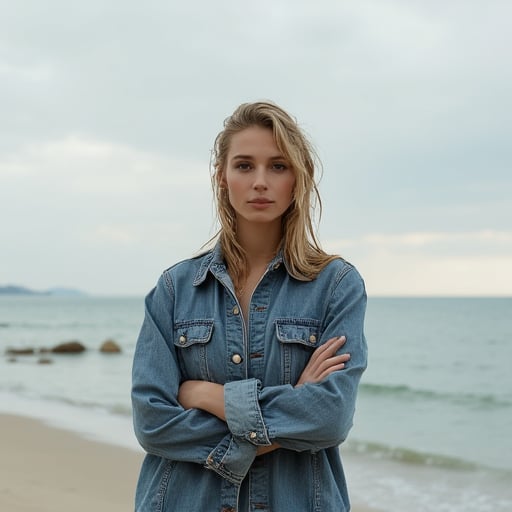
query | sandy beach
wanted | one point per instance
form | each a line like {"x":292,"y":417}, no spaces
{"x":45,"y":469}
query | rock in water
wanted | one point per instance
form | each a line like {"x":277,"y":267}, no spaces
{"x":110,"y":347}
{"x":20,"y":351}
{"x":68,"y":347}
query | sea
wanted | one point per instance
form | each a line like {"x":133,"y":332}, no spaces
{"x":433,"y":426}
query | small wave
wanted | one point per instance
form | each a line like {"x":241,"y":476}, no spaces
{"x":13,"y":388}
{"x":408,"y":456}
{"x":117,"y":409}
{"x":406,"y":392}
{"x":4,"y":325}
{"x":20,"y":390}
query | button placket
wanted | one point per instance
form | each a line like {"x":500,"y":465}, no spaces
{"x":235,"y":340}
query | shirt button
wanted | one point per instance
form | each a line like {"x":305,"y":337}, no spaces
{"x":276,"y":266}
{"x":183,"y":340}
{"x":253,"y":435}
{"x":236,"y":358}
{"x":236,"y":310}
{"x":312,"y":338}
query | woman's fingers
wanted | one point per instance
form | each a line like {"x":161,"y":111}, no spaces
{"x":333,"y":361}
{"x":324,"y":361}
{"x":328,"y":372}
{"x":327,"y":350}
{"x":332,"y":344}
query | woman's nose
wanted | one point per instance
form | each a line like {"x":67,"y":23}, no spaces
{"x":260,"y":181}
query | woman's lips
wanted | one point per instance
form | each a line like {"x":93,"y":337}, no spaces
{"x":260,"y":202}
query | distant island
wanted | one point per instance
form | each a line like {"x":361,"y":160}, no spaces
{"x":22,"y":290}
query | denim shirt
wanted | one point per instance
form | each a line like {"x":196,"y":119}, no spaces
{"x":194,"y":329}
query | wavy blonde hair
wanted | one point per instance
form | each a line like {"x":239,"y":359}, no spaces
{"x":303,"y":255}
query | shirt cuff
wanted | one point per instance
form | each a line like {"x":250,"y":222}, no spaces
{"x":243,"y":412}
{"x":232,"y":458}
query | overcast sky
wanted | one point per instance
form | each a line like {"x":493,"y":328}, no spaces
{"x":109,"y":109}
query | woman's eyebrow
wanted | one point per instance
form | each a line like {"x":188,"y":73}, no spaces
{"x":250,"y":157}
{"x":241,"y":157}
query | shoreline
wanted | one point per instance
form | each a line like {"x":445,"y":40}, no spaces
{"x":50,"y":469}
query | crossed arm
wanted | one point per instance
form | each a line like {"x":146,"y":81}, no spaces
{"x":209,"y":396}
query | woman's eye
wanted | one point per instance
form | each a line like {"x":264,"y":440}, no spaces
{"x":243,"y":166}
{"x":279,"y":167}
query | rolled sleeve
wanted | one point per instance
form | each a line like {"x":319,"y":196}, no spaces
{"x":243,"y":413}
{"x":232,"y":458}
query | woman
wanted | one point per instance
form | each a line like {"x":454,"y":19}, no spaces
{"x":241,"y":393}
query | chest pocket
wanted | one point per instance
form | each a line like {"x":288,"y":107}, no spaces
{"x":192,"y":340}
{"x":298,"y":339}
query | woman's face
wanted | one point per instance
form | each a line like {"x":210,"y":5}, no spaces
{"x":258,"y":177}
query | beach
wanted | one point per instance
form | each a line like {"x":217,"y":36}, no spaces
{"x":47,"y":469}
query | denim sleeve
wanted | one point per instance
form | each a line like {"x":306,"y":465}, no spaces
{"x":161,"y":425}
{"x":312,"y":416}
{"x":232,"y":458}
{"x":243,"y":413}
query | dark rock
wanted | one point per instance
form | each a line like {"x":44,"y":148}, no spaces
{"x":68,"y":347}
{"x":20,"y":351}
{"x":110,"y":347}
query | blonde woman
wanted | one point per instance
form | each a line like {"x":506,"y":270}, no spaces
{"x":248,"y":361}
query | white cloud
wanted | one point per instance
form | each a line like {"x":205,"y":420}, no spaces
{"x":36,"y":73}
{"x":426,"y":239}
{"x":432,"y":263}
{"x":98,"y":165}
{"x":82,"y":204}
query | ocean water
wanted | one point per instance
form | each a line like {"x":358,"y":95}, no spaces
{"x":433,"y":427}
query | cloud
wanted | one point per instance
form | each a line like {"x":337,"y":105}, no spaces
{"x":432,"y":263}
{"x":78,"y":175}
{"x":105,"y":164}
{"x":81,"y":203}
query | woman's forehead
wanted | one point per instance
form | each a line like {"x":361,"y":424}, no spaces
{"x":254,"y":141}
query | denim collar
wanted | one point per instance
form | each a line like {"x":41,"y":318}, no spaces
{"x":213,"y":261}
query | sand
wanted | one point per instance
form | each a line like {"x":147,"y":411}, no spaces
{"x":45,"y":469}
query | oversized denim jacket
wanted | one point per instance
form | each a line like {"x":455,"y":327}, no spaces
{"x":194,"y":329}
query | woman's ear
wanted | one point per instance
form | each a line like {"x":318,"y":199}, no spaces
{"x":221,"y":179}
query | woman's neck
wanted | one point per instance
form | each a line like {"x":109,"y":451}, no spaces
{"x":260,"y":242}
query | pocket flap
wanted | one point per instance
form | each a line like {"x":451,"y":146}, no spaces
{"x":193,"y":332}
{"x":304,"y":331}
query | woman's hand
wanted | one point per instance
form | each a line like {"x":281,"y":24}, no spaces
{"x":324,"y":361}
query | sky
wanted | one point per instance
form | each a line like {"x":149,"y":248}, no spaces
{"x":109,"y":110}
